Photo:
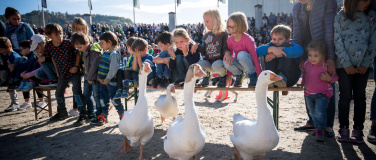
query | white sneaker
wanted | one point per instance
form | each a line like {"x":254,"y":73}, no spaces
{"x":12,"y":107}
{"x":41,"y":104}
{"x":73,"y":113}
{"x":25,"y":106}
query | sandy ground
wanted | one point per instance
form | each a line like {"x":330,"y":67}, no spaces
{"x":22,"y":137}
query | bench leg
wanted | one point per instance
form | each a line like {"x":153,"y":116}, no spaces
{"x":135,"y":95}
{"x":49,"y":103}
{"x":35,"y":105}
{"x":276,"y":108}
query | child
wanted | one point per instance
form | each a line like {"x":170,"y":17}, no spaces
{"x":317,"y":86}
{"x":91,"y":55}
{"x":47,"y":72}
{"x":125,"y":73}
{"x":12,"y":59}
{"x":185,"y":55}
{"x":280,"y":56}
{"x":139,"y":49}
{"x":108,"y":66}
{"x":355,"y":42}
{"x":163,"y":74}
{"x":29,"y":81}
{"x":66,"y":60}
{"x":244,"y":59}
{"x":214,"y":48}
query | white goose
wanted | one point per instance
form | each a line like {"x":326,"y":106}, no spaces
{"x":137,"y":123}
{"x":185,"y":138}
{"x":256,"y":137}
{"x":167,"y":104}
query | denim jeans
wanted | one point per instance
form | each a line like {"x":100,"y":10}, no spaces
{"x":243,"y":63}
{"x":62,"y":84}
{"x":373,"y":102}
{"x":179,"y":72}
{"x":48,"y":71}
{"x":352,"y":87}
{"x":162,"y":69}
{"x":217,"y":67}
{"x":90,"y":91}
{"x":107,"y":92}
{"x":330,"y":111}
{"x":318,"y":104}
{"x":289,"y":67}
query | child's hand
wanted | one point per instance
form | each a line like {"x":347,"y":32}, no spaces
{"x":361,"y":69}
{"x":90,"y":82}
{"x":351,"y":70}
{"x":170,"y":51}
{"x":23,"y":75}
{"x":301,"y":66}
{"x":330,"y":66}
{"x":279,"y":52}
{"x":326,"y":77}
{"x":73,"y":69}
{"x":227,"y":58}
{"x":269,"y":57}
{"x":11,"y":67}
{"x":185,"y":49}
{"x":228,"y":80}
{"x":41,"y":59}
{"x":194,"y":48}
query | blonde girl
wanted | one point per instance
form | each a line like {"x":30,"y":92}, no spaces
{"x":244,"y":59}
{"x":214,"y":47}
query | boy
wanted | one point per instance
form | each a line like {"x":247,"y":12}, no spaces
{"x":163,"y":74}
{"x":26,"y":85}
{"x":12,"y":60}
{"x":108,"y":67}
{"x":66,"y":60}
{"x":281,"y":56}
{"x":139,"y":49}
{"x":91,"y":55}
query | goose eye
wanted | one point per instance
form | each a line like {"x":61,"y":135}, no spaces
{"x":265,"y":73}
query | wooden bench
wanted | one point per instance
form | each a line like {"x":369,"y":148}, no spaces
{"x":40,"y":89}
{"x":274,"y":103}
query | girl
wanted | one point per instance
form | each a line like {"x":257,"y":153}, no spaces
{"x":243,"y":60}
{"x":355,"y":42}
{"x":214,"y":47}
{"x":317,"y":84}
{"x":186,"y":54}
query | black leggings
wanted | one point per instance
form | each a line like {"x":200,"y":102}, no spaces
{"x":27,"y":95}
{"x":122,"y":75}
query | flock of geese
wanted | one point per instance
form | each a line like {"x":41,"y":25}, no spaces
{"x":185,"y":136}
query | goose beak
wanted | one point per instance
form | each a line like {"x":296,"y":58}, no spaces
{"x":147,"y":69}
{"x":274,"y":77}
{"x":199,"y":72}
{"x":172,"y":89}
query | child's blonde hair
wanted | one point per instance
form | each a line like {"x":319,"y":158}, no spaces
{"x":79,"y":21}
{"x":180,"y":32}
{"x":218,"y":26}
{"x":240,"y":21}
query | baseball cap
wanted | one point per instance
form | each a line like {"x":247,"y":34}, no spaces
{"x":35,"y":40}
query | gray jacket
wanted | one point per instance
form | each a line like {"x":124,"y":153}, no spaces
{"x":321,"y":23}
{"x":91,"y":60}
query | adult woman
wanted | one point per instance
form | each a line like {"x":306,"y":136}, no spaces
{"x":16,"y":31}
{"x":314,"y":20}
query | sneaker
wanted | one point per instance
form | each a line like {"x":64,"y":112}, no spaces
{"x":205,"y":81}
{"x":101,"y":120}
{"x":21,"y":86}
{"x":357,"y":136}
{"x":344,"y":135}
{"x":371,"y":135}
{"x":329,"y":134}
{"x":124,"y":93}
{"x":81,"y":120}
{"x":252,"y":80}
{"x":281,"y":83}
{"x":28,"y":86}
{"x":239,"y":80}
{"x":156,"y":83}
{"x":320,"y":135}
{"x":41,"y":105}
{"x":60,"y":115}
{"x":121,"y":117}
{"x":48,"y":83}
{"x":179,"y":83}
{"x":118,"y":94}
{"x":25,"y":106}
{"x":221,"y":82}
{"x":128,"y":83}
{"x":12,"y":107}
{"x":94,"y":121}
{"x":73,"y":113}
{"x":164,"y":82}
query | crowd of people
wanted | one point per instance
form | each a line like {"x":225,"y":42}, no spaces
{"x":323,"y":49}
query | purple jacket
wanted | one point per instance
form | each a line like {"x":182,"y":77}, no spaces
{"x":321,"y":23}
